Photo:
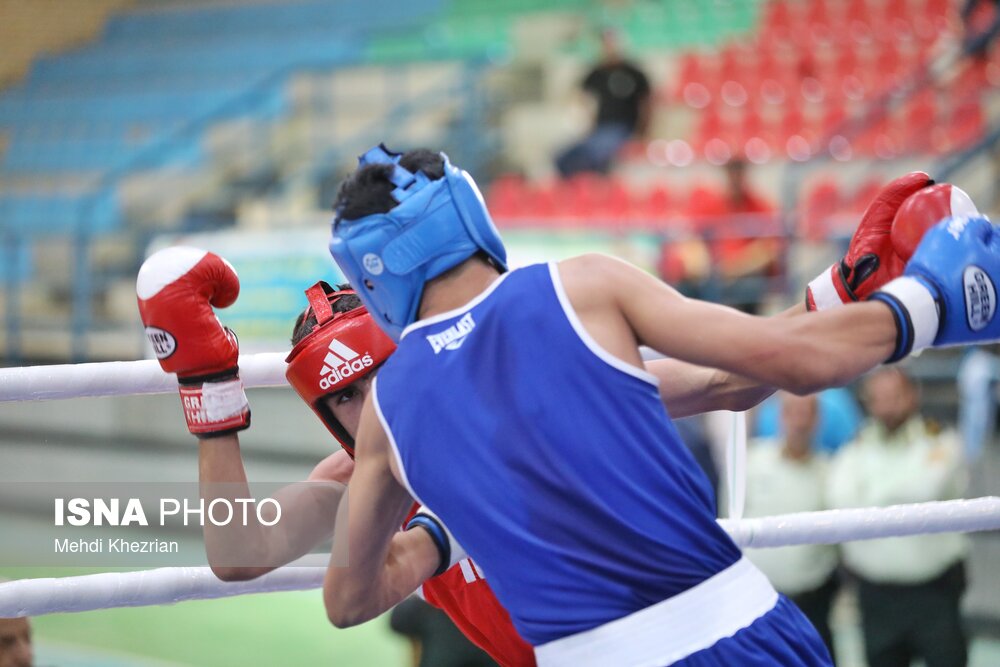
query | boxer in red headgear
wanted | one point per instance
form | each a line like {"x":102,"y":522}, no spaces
{"x":337,"y":349}
{"x":337,"y":344}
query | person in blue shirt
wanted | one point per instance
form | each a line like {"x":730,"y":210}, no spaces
{"x":840,"y":418}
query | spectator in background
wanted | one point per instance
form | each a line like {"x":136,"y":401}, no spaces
{"x":743,"y":247}
{"x":742,"y":236}
{"x":621,"y":90}
{"x":436,"y":640}
{"x":909,"y":588}
{"x":15,"y":643}
{"x":785,"y":476}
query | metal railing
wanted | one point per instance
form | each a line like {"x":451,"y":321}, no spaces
{"x":264,"y":100}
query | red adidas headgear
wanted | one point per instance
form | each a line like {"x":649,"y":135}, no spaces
{"x":341,"y":349}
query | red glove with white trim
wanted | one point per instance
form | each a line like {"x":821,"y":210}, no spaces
{"x":176,"y":289}
{"x":871,"y":260}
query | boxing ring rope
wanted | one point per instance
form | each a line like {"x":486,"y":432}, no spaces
{"x":121,"y":378}
{"x":34,"y":597}
{"x":165,"y":585}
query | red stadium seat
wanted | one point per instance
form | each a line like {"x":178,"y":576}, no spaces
{"x":704,"y":204}
{"x":694,"y":70}
{"x":895,"y":8}
{"x":542,"y":200}
{"x":846,"y":63}
{"x":657,"y":206}
{"x":919,"y":119}
{"x":833,"y":119}
{"x":618,"y":204}
{"x":778,"y":16}
{"x":889,"y":59}
{"x":507,"y":197}
{"x":709,"y":126}
{"x":753,"y":125}
{"x":580,"y":195}
{"x":872,"y":138}
{"x":734,"y":62}
{"x":822,"y":202}
{"x":865,"y":194}
{"x":940,"y":8}
{"x":859,"y":10}
{"x":794,"y":122}
{"x":966,"y":125}
{"x":817,"y":13}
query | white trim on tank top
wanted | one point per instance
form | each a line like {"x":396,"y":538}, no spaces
{"x":587,"y":339}
{"x":454,"y":312}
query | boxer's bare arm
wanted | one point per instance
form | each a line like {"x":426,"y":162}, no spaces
{"x":688,"y":389}
{"x":622,"y":307}
{"x":384,"y":565}
{"x":337,"y":467}
{"x":237,"y":552}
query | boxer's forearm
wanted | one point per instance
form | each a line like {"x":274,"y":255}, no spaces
{"x":384,"y":565}
{"x":238,"y":551}
{"x":412,"y":559}
{"x":221,"y":475}
{"x":687,"y":389}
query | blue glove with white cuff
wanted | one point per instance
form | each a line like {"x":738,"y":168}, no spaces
{"x":947,"y":294}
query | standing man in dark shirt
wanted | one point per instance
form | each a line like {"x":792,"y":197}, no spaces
{"x":622,"y":93}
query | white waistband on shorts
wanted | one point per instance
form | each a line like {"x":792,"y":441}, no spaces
{"x":672,"y":629}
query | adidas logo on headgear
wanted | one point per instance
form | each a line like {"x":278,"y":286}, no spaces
{"x":341,"y":362}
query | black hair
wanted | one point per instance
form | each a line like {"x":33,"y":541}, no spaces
{"x":369,"y":189}
{"x":304,"y":325}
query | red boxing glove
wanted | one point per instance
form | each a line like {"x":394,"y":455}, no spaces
{"x":924,"y":210}
{"x":176,"y":289}
{"x":870,"y":261}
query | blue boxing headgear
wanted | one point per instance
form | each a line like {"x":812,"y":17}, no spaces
{"x":435,"y":226}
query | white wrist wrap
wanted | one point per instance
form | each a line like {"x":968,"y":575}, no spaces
{"x":213,"y":407}
{"x":824,"y":293}
{"x":221,"y":400}
{"x":921,"y":307}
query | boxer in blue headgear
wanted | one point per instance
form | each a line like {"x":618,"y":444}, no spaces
{"x":437,"y":224}
{"x":518,"y":409}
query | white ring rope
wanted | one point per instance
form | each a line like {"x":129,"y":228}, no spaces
{"x":121,"y":378}
{"x":165,"y":585}
{"x":866,"y":523}
{"x":34,"y":597}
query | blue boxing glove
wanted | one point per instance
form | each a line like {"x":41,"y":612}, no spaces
{"x":947,"y":293}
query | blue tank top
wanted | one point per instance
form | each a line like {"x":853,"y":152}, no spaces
{"x":552,"y":462}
